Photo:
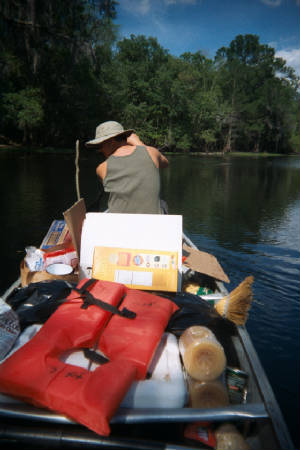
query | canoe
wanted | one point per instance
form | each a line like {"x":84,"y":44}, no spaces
{"x":259,"y":416}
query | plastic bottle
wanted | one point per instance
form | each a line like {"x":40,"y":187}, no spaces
{"x":34,"y":259}
{"x":203,"y":356}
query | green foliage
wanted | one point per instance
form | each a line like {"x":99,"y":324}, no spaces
{"x":252,"y":81}
{"x":59,"y":47}
{"x":64,"y":72}
{"x":25,"y":110}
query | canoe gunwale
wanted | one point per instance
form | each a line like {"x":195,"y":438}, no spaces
{"x":278,"y":423}
{"x":253,"y":411}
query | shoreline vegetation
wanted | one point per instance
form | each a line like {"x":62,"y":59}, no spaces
{"x":79,"y":73}
{"x":32,"y":150}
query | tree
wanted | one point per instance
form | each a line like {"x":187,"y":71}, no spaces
{"x":25,"y":110}
{"x":56,"y":47}
{"x":249,"y":73}
{"x":198,"y":105}
{"x":135,"y":85}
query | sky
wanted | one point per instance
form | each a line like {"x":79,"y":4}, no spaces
{"x":207,"y":25}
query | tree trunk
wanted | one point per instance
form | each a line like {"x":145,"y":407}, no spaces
{"x":227,"y":147}
{"x":31,"y":35}
{"x":25,"y":135}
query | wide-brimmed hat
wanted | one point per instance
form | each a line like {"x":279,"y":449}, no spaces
{"x":106,"y":131}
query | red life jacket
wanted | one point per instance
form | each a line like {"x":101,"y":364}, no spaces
{"x":136,"y":340}
{"x":36,"y":374}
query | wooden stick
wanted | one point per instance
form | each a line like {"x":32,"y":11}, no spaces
{"x":77,"y":170}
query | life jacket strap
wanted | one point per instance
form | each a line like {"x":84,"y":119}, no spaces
{"x":88,"y":299}
{"x":94,"y":356}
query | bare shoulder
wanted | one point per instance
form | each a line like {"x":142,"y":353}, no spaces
{"x":152,"y":149}
{"x":101,"y":170}
{"x":158,"y":158}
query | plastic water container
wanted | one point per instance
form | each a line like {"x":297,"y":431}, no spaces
{"x":166,"y":388}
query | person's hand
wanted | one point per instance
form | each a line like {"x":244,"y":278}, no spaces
{"x":133,"y":139}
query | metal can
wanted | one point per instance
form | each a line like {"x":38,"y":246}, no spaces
{"x":236,"y":382}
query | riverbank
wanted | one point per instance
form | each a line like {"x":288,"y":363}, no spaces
{"x":20,"y":148}
{"x":245,"y":154}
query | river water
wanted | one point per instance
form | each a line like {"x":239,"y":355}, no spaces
{"x":243,"y":210}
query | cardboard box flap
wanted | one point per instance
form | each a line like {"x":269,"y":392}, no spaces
{"x":204,"y":263}
{"x":74,"y":218}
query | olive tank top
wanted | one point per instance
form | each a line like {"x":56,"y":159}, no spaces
{"x":133,"y":183}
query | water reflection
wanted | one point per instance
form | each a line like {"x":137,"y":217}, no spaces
{"x":231,"y":201}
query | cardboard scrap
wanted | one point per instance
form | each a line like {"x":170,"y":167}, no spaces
{"x":74,"y":218}
{"x":205,"y":263}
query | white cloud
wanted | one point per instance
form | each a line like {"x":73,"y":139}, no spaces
{"x":185,"y":2}
{"x":137,"y":6}
{"x":144,"y":7}
{"x":273,"y":3}
{"x":292,"y":58}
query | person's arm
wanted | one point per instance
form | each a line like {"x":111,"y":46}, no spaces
{"x":163,"y":161}
{"x":158,"y":158}
{"x":101,"y":170}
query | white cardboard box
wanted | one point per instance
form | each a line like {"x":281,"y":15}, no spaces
{"x":164,"y":232}
{"x":135,"y":231}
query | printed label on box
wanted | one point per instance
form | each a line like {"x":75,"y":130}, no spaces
{"x":57,"y":234}
{"x":140,"y":269}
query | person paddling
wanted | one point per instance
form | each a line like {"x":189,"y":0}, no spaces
{"x":130,"y":172}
